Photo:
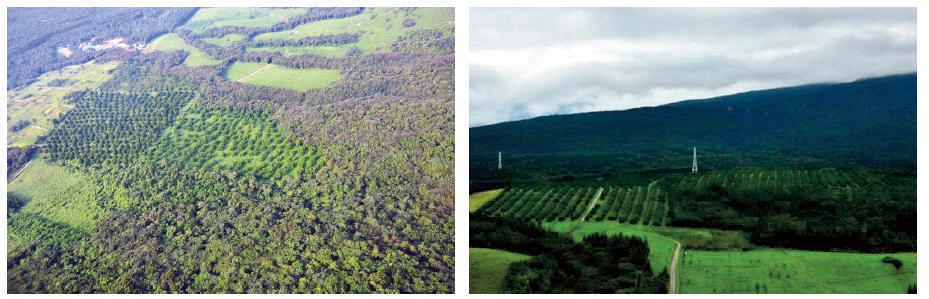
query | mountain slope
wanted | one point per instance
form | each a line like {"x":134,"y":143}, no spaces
{"x":866,"y":122}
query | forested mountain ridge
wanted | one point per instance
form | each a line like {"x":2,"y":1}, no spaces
{"x":192,"y":182}
{"x":869,"y":122}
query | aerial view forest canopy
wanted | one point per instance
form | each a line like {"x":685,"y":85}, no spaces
{"x":806,"y":189}
{"x":230,"y":150}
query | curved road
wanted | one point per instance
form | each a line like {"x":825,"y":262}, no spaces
{"x":672,"y":270}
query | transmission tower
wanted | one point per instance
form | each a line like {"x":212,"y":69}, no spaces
{"x":499,"y":160}
{"x":694,"y":168}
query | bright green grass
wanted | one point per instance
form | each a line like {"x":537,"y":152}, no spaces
{"x":477,"y":200}
{"x":248,"y":143}
{"x":488,"y":267}
{"x":793,"y":271}
{"x":58,"y":194}
{"x":226,"y":40}
{"x":172,"y":42}
{"x":327,"y":51}
{"x":206,"y":18}
{"x":660,"y":248}
{"x":40,"y":103}
{"x":281,"y":77}
{"x":378,"y":27}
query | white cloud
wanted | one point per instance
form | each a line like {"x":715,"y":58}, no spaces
{"x":532,"y":62}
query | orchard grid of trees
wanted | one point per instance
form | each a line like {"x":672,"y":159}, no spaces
{"x":345,"y":189}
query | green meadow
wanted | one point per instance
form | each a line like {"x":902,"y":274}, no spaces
{"x":59,"y":205}
{"x":281,"y":77}
{"x":793,"y":271}
{"x":377,"y":27}
{"x":660,"y":248}
{"x":488,"y":267}
{"x":172,"y":42}
{"x":476,"y":200}
{"x":226,"y":40}
{"x":327,"y":51}
{"x":206,"y":18}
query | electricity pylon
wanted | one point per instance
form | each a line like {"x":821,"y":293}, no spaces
{"x":694,"y":168}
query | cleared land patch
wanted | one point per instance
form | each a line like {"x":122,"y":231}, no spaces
{"x":226,"y":40}
{"x":53,"y":192}
{"x":488,"y":267}
{"x":794,"y":271}
{"x":327,"y":51}
{"x":44,"y":100}
{"x":206,"y":18}
{"x":377,"y":27}
{"x":281,"y":77}
{"x":476,"y":200}
{"x":172,"y":42}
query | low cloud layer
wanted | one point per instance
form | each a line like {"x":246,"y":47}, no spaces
{"x":528,"y":62}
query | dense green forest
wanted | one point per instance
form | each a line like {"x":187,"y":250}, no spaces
{"x":193,"y":183}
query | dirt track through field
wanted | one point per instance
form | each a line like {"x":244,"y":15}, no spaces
{"x":19,"y":172}
{"x":672,"y":270}
{"x":592,"y":204}
{"x":255,"y":72}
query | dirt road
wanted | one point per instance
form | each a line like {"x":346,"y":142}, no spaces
{"x":672,"y":270}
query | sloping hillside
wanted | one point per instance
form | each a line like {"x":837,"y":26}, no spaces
{"x":867,"y":122}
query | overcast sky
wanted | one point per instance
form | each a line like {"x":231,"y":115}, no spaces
{"x":528,"y":62}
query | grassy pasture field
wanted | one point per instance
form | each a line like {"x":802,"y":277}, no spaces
{"x":44,"y":100}
{"x":172,"y":42}
{"x":281,"y":77}
{"x":327,"y":51}
{"x":57,"y":194}
{"x":226,"y":40}
{"x":476,"y":200}
{"x":794,"y":271}
{"x":660,"y":248}
{"x":488,"y":267}
{"x":377,"y":27}
{"x":206,"y":18}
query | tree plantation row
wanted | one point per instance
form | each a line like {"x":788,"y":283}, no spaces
{"x":641,"y":205}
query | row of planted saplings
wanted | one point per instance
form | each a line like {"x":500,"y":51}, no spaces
{"x":639,"y":204}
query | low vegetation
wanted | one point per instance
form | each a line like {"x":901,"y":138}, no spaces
{"x":226,"y":40}
{"x":172,"y":42}
{"x":488,"y":269}
{"x":377,"y":28}
{"x":42,"y":103}
{"x":213,"y":17}
{"x":778,"y":271}
{"x":61,"y":199}
{"x":281,"y":77}
{"x":477,"y":200}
